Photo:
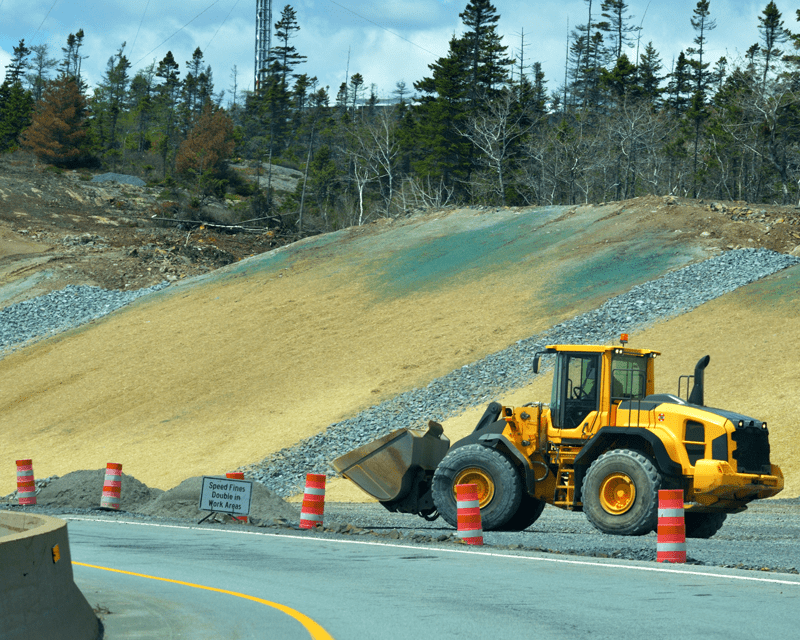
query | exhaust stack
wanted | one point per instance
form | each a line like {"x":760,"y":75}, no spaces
{"x":696,"y":396}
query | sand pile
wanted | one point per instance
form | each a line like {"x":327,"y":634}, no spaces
{"x":83,"y":489}
{"x":182,"y":501}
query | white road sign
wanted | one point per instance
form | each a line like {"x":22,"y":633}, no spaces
{"x":225,"y":495}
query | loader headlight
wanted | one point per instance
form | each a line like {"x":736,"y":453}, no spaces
{"x":763,"y":425}
{"x":741,"y":424}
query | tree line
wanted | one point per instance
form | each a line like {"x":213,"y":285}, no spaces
{"x":481,"y":128}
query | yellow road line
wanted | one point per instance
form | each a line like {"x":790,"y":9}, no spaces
{"x":313,"y":628}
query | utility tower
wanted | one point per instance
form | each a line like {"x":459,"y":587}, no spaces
{"x":263,"y":40}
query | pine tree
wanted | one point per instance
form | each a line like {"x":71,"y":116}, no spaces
{"x":441,"y":153}
{"x":59,"y":131}
{"x":203,"y":154}
{"x":167,"y":102}
{"x":15,"y":70}
{"x":284,"y":56}
{"x":486,"y":58}
{"x":698,"y":111}
{"x":649,"y":80}
{"x":616,"y":25}
{"x":73,"y":60}
{"x":16,"y":103}
{"x":41,"y":65}
{"x":679,"y":88}
{"x":110,"y":100}
{"x":773,"y":35}
{"x":142,"y":104}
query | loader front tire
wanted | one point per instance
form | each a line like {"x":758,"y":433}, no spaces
{"x":499,"y":485}
{"x":620,"y":493}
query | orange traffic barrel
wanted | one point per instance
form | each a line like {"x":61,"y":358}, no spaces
{"x":112,"y":486}
{"x":26,"y":485}
{"x":313,"y":501}
{"x":671,"y":545}
{"x":468,"y":514}
{"x":237,"y":475}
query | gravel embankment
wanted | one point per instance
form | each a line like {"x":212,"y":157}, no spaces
{"x":675,"y":293}
{"x":61,"y":310}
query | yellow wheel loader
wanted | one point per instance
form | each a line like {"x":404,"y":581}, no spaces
{"x":604,"y":445}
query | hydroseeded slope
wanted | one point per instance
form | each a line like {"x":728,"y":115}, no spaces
{"x":220,"y":371}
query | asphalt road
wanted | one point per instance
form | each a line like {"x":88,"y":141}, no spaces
{"x":346,"y":588}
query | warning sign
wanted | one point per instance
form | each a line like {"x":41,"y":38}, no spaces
{"x":224,"y":495}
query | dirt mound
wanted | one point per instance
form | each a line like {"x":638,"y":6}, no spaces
{"x":83,"y":489}
{"x":182,"y":501}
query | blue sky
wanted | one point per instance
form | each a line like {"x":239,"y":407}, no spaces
{"x":387,"y":40}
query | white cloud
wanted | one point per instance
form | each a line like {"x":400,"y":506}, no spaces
{"x":376,"y":32}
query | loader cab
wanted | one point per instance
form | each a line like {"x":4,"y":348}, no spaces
{"x":590,"y":382}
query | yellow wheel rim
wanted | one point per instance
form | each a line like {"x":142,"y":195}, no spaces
{"x":617,"y":493}
{"x":482,"y":480}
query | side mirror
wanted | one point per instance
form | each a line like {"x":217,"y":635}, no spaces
{"x":536,"y":364}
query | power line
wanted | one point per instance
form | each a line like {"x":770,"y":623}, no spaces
{"x":176,"y":33}
{"x":133,"y":46}
{"x":220,"y":26}
{"x":43,"y":19}
{"x":382,"y":27}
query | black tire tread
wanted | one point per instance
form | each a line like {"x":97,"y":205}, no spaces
{"x":527,"y":513}
{"x":508,"y":485}
{"x":703,"y":525}
{"x":645,"y":516}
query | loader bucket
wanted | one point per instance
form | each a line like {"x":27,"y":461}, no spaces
{"x":396,"y":465}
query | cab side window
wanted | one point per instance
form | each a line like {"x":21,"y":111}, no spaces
{"x":628,"y":377}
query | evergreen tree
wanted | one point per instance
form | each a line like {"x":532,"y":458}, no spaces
{"x":59,"y":132}
{"x":142,"y":104}
{"x":649,"y":80}
{"x":702,"y":24}
{"x":698,"y":111}
{"x":72,"y":61}
{"x":284,"y":57}
{"x":202,"y":156}
{"x":167,"y":102}
{"x":616,"y":25}
{"x":15,"y":70}
{"x":773,"y":35}
{"x":16,"y":103}
{"x":441,"y":153}
{"x":679,"y":88}
{"x":41,"y":65}
{"x":485,"y":54}
{"x":110,"y":100}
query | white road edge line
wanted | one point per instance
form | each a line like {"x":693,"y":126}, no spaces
{"x":492,"y":554}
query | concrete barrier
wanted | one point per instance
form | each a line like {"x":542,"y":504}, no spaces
{"x":38,"y":597}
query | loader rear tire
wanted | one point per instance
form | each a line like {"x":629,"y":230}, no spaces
{"x":703,"y":525}
{"x":527,"y":513}
{"x":620,"y":493}
{"x":499,"y":484}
